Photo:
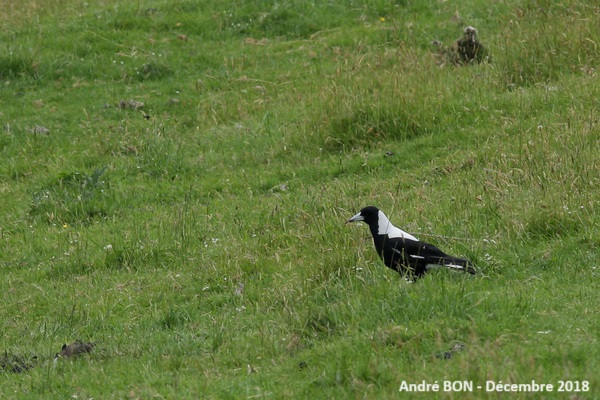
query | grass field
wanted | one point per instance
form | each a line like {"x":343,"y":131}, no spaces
{"x":175,"y":177}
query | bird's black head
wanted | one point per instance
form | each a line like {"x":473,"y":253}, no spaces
{"x":369,"y":214}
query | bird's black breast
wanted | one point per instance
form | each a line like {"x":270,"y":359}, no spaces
{"x":393,"y":252}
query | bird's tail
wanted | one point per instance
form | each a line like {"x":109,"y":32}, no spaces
{"x":454,"y":263}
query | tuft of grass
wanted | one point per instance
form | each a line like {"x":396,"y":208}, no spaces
{"x":73,"y":198}
{"x":565,"y":44}
{"x":14,"y":66}
{"x":369,"y":124}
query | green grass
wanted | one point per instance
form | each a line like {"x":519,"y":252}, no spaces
{"x":199,"y":239}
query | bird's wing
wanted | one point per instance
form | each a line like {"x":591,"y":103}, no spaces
{"x":425,"y":251}
{"x":434,"y":256}
{"x":427,"y":254}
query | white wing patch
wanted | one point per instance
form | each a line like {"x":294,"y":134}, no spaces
{"x":410,"y":255}
{"x":385,"y":227}
{"x":437,"y":266}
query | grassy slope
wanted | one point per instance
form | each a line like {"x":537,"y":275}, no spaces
{"x":135,"y":233}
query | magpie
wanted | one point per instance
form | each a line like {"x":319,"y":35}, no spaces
{"x":403,"y":252}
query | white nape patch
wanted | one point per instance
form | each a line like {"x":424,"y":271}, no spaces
{"x":385,"y":227}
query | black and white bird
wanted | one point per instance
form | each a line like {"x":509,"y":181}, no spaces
{"x":403,"y":252}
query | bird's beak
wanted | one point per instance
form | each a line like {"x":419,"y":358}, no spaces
{"x":357,"y":217}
